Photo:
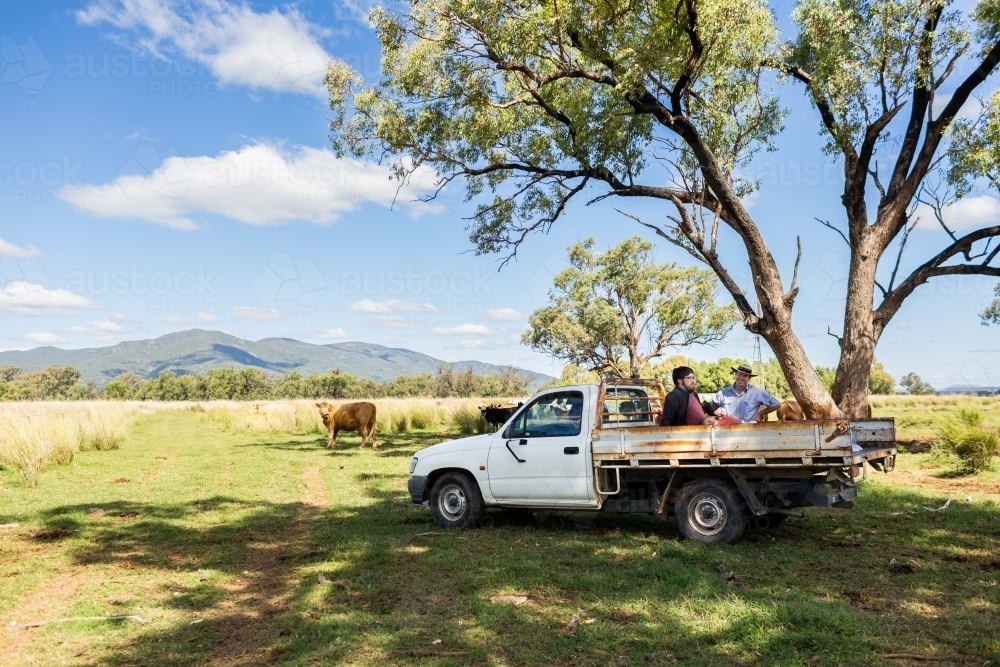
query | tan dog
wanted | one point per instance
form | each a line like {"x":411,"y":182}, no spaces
{"x":788,"y":411}
{"x":358,"y":417}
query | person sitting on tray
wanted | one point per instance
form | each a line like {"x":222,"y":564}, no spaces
{"x":682,"y":406}
{"x":742,"y":401}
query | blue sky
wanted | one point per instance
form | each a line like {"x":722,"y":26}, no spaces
{"x":166,"y":165}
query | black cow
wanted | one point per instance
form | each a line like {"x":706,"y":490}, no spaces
{"x":496,"y":415}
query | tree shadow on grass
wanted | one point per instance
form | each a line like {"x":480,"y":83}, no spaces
{"x":652,"y":598}
{"x":401,"y":445}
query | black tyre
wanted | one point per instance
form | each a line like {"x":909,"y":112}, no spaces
{"x":710,"y":511}
{"x":455,"y":501}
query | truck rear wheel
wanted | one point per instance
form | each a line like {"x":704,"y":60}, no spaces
{"x":455,"y":501}
{"x":710,"y":511}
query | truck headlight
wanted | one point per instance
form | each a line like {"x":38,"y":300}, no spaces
{"x":413,"y":464}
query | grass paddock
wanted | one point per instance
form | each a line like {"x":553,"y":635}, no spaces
{"x":214,"y":537}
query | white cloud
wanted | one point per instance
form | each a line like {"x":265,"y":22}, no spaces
{"x":462,"y":330}
{"x":23,"y":298}
{"x":119,"y":317}
{"x":259,"y":184}
{"x":173,"y":319}
{"x":11,"y":251}
{"x":390,"y":305}
{"x":504,"y":314}
{"x":394,"y":322}
{"x":971,"y":109}
{"x":204,"y":316}
{"x":967,"y":213}
{"x":369,"y":306}
{"x":472,"y":344}
{"x":357,"y":10}
{"x":333,"y":334}
{"x":250,"y":313}
{"x":96,"y":327}
{"x":277,"y":50}
{"x":43,"y":337}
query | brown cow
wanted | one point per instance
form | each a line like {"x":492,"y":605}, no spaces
{"x":358,"y":417}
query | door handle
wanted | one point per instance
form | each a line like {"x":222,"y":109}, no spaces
{"x":523,"y":442}
{"x":507,"y":445}
{"x":571,"y":450}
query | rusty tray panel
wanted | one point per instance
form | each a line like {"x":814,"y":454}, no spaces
{"x":785,"y":440}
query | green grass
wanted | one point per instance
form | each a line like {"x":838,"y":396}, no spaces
{"x":232,"y":529}
{"x":920,"y":417}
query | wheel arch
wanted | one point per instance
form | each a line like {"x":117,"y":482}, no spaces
{"x":433,"y":476}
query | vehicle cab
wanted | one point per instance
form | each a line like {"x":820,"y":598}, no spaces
{"x":540,"y":458}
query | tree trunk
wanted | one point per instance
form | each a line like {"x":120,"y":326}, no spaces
{"x":802,"y":379}
{"x":857,"y":346}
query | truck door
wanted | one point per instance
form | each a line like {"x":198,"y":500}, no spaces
{"x":541,"y":457}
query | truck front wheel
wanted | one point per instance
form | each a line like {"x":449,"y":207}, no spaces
{"x":455,"y":501}
{"x":710,"y":511}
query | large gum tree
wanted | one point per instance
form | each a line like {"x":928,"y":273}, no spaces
{"x":535,"y":103}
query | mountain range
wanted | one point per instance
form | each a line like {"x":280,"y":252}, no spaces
{"x":197,"y":351}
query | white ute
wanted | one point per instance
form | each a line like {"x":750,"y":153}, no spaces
{"x":596,"y":447}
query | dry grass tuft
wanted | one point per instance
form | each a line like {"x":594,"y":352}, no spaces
{"x":34,"y":435}
{"x":393,"y":415}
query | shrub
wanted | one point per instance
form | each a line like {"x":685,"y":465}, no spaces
{"x":967,"y":437}
{"x":468,"y":420}
{"x":34,"y":435}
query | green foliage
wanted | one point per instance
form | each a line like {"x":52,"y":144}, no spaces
{"x":52,"y":383}
{"x":469,"y":420}
{"x":861,"y":56}
{"x":605,"y":306}
{"x":915,"y":386}
{"x":879,"y":380}
{"x":966,"y":436}
{"x":573,"y":374}
{"x":470,"y":85}
{"x":125,"y":387}
{"x":251,"y":384}
{"x":992,"y":312}
{"x":827,"y":375}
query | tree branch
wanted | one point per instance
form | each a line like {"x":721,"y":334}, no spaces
{"x":793,"y":289}
{"x":935,"y":267}
{"x":842,"y":235}
{"x":751,"y":320}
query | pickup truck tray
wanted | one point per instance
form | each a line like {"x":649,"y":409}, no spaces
{"x":809,"y":444}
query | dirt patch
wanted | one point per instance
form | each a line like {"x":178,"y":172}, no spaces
{"x":50,"y":601}
{"x":315,"y":493}
{"x":246,"y":616}
{"x":956,"y":487}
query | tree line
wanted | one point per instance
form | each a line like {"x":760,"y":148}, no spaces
{"x":250,"y":384}
{"x":714,"y":375}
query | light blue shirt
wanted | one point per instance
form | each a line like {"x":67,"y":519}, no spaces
{"x":744,"y":407}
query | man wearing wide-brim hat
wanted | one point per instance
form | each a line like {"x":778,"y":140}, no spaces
{"x":742,"y":400}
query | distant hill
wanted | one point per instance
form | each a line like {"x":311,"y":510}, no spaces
{"x":970,"y":389}
{"x":196,"y":351}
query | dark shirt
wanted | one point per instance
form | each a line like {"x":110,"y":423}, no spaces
{"x":675,"y":407}
{"x":695,"y":414}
